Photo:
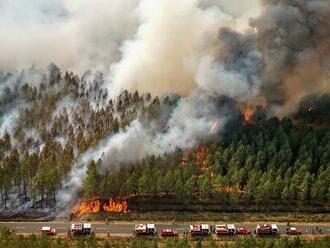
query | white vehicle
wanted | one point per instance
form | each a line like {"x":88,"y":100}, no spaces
{"x":231,"y":229}
{"x":81,"y":229}
{"x":47,"y":230}
{"x":274,"y":229}
{"x":145,"y":229}
{"x":201,"y":230}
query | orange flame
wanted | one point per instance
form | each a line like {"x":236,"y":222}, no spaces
{"x":94,"y":205}
{"x":235,"y":189}
{"x":115,"y":206}
{"x":198,"y":155}
{"x":214,"y":127}
{"x":247,"y":111}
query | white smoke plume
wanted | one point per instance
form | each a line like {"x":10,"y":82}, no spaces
{"x":174,"y":49}
{"x":138,"y":34}
{"x":76,"y":35}
{"x":269,"y":51}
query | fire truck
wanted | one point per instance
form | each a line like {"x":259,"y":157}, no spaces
{"x":243,"y":231}
{"x":293,"y":231}
{"x":225,"y":229}
{"x":145,"y":229}
{"x":81,"y":229}
{"x":168,"y":233}
{"x":200,"y":230}
{"x":266,"y":229}
{"x":47,"y":230}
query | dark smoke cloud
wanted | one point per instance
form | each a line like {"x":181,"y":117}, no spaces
{"x":293,"y":37}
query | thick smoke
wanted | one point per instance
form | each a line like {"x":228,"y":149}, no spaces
{"x":76,"y":35}
{"x":202,"y":53}
{"x":293,"y":37}
{"x":210,"y":52}
{"x":168,"y":53}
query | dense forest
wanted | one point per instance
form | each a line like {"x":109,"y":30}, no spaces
{"x":64,"y":116}
{"x":274,"y":160}
{"x":59,"y":120}
{"x":12,"y":240}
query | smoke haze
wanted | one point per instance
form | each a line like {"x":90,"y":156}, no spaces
{"x":213,"y":53}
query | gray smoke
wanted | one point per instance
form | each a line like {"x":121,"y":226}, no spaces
{"x":204,"y":54}
{"x":270,"y":53}
{"x":293,"y":37}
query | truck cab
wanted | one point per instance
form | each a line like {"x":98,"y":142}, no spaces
{"x":145,"y":229}
{"x":81,"y":229}
{"x":47,"y":230}
{"x":200,"y":230}
{"x":274,"y":229}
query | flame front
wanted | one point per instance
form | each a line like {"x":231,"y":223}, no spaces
{"x":94,"y":205}
{"x":115,"y":206}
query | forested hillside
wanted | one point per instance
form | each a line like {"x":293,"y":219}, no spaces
{"x":262,"y":160}
{"x":273,"y":160}
{"x":60,"y":119}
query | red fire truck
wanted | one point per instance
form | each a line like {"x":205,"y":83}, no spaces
{"x":145,"y":229}
{"x":224,"y":229}
{"x":47,"y":230}
{"x":81,"y":229}
{"x":243,"y":231}
{"x":293,"y":231}
{"x":200,"y":230}
{"x":168,"y":233}
{"x":266,"y":229}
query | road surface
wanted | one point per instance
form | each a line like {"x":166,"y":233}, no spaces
{"x":127,"y":228}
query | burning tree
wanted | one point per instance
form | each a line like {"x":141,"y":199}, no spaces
{"x":95,"y":205}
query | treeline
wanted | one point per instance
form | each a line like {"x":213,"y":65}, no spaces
{"x":10,"y":239}
{"x":62,"y":117}
{"x":269,"y":161}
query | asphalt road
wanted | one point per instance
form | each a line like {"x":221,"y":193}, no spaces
{"x":127,"y":228}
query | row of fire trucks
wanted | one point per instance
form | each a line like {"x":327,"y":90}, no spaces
{"x":75,"y":229}
{"x":194,"y":230}
{"x":222,"y":229}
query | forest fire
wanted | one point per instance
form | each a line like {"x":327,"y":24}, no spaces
{"x":234,"y":189}
{"x":214,"y":127}
{"x":231,"y":189}
{"x":94,"y":205}
{"x":198,"y":155}
{"x":247,"y":111}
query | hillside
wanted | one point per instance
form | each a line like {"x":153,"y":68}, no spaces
{"x":255,"y":161}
